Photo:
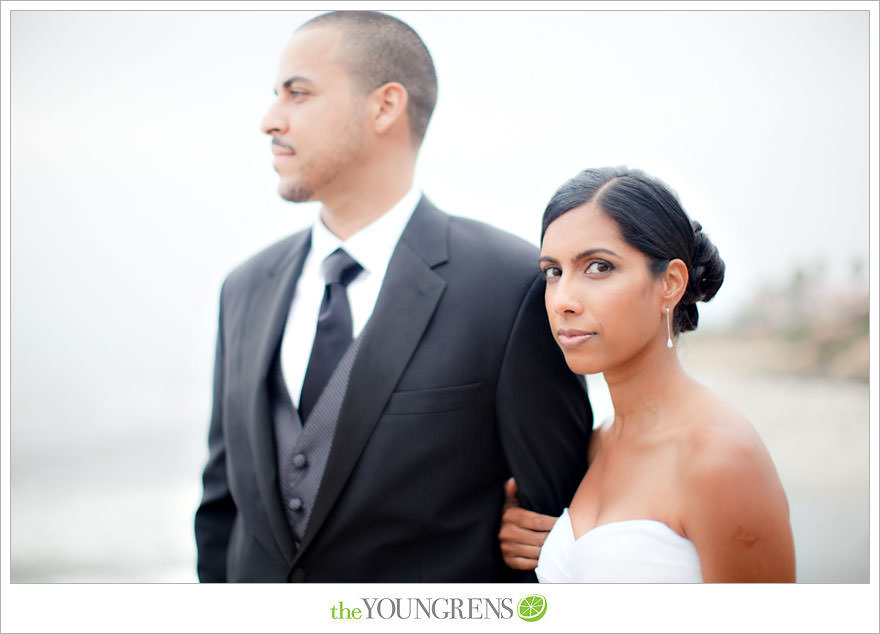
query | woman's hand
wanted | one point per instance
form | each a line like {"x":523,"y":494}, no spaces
{"x":522,"y":532}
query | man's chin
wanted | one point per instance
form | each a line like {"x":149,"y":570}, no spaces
{"x":294,"y":194}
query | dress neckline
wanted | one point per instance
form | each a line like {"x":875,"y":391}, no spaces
{"x":617,"y":523}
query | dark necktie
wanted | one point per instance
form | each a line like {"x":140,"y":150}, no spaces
{"x":333,"y":334}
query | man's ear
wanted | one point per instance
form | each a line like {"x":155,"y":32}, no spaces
{"x":389,"y":106}
{"x":675,"y":281}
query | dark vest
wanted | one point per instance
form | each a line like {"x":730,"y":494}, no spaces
{"x":302,"y":450}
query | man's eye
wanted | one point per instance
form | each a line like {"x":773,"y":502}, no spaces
{"x":599,"y":266}
{"x":551,"y":273}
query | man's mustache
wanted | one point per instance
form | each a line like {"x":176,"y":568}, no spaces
{"x":280,"y":144}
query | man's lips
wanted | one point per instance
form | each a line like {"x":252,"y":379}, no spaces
{"x":570,"y":337}
{"x":280,"y":148}
{"x":280,"y":154}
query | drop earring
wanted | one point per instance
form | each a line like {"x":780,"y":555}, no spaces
{"x":668,"y":330}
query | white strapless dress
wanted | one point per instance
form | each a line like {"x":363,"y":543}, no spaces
{"x":630,"y":551}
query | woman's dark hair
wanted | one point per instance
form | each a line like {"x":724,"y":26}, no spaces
{"x":651,"y":220}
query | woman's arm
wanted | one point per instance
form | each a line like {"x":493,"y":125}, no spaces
{"x":735,"y":510}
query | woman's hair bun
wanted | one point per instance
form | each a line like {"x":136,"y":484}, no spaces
{"x":706,"y":274}
{"x":707,"y":269}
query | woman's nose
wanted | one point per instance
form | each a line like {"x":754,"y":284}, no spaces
{"x":565,"y":298}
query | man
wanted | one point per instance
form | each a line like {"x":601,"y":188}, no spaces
{"x":379,"y":376}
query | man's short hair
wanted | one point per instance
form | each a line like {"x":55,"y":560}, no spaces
{"x":379,"y":49}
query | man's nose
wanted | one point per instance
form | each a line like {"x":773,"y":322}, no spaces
{"x":273,"y":122}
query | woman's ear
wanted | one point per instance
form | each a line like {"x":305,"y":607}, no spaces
{"x":389,"y":101}
{"x":675,"y":281}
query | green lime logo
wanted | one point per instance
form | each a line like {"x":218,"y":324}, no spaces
{"x":532,"y":608}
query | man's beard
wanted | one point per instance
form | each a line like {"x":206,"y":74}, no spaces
{"x":324,"y":170}
{"x":295,"y":193}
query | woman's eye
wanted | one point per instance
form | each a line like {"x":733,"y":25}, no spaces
{"x":552,"y":272}
{"x":599,"y":266}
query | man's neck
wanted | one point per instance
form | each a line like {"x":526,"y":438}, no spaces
{"x":349,"y":211}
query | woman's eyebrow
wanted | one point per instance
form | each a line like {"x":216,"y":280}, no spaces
{"x":591,"y":252}
{"x":582,"y":255}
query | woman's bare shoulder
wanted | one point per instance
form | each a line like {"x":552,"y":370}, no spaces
{"x":723,"y":458}
{"x":734,"y":506}
{"x":717,"y":433}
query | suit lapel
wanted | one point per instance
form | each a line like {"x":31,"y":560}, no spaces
{"x":406,"y":303}
{"x":270,"y":304}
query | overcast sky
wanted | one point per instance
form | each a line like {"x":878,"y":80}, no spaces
{"x":139,"y":175}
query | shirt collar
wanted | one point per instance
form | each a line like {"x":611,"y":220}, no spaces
{"x":373,"y":245}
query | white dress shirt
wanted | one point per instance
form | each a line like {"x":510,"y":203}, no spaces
{"x":371,"y":247}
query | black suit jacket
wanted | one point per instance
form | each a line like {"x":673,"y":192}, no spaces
{"x":457,"y":384}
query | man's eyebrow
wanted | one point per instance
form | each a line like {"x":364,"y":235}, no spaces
{"x":287,"y":83}
{"x":291,"y":80}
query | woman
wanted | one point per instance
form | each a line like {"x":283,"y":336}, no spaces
{"x":680,"y":487}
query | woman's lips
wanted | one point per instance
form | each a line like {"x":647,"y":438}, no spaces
{"x":569,"y":337}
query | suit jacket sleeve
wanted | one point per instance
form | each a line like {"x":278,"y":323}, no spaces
{"x":216,"y":513}
{"x":544,"y":417}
